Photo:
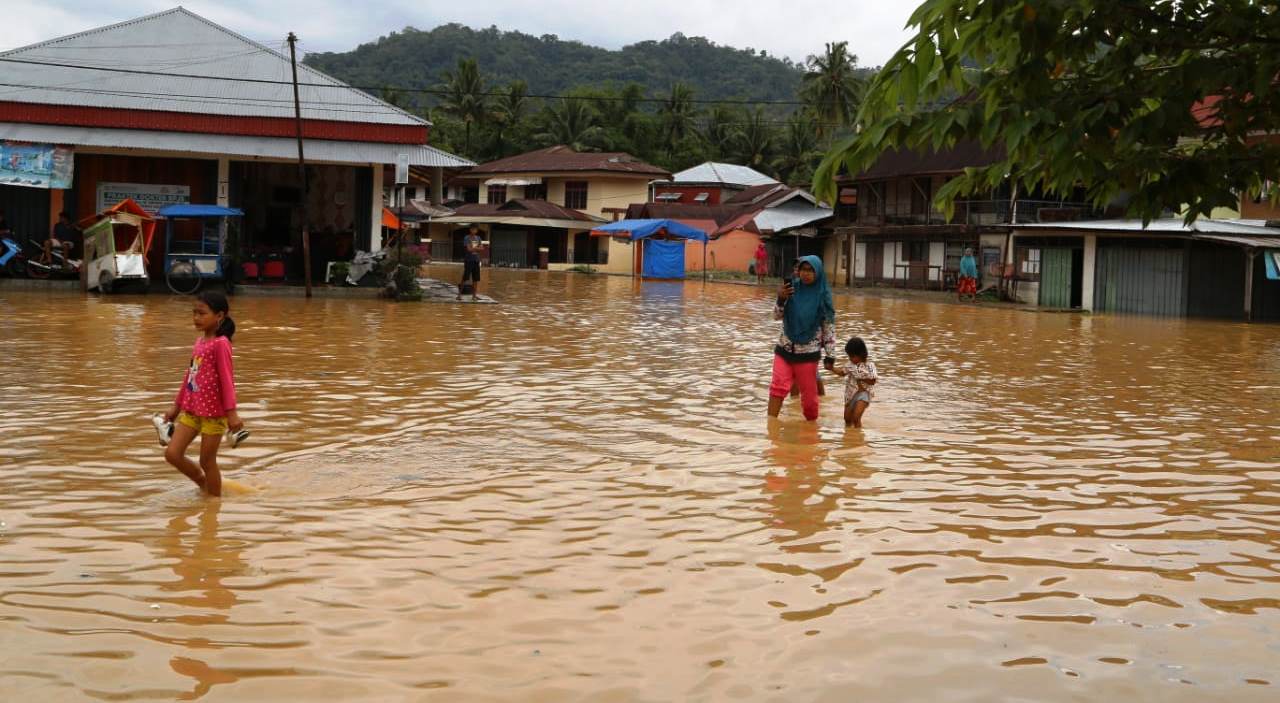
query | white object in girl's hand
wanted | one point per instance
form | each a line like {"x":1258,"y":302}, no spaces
{"x":164,"y":430}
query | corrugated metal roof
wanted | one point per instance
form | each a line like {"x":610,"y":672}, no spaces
{"x":721,"y":173}
{"x":1161,"y":226}
{"x":560,"y":158}
{"x":178,"y":41}
{"x":275,"y":148}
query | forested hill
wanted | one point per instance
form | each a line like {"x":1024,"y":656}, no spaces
{"x":417,"y":59}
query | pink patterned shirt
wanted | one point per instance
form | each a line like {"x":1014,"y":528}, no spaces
{"x":209,"y":388}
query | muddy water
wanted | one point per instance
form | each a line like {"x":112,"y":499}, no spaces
{"x":576,"y":496}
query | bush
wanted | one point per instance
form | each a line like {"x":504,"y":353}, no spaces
{"x":403,"y":265}
{"x":581,"y":268}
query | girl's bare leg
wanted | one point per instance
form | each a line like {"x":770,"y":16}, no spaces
{"x":209,"y":462}
{"x":859,"y":408}
{"x":848,"y":416}
{"x":176,"y":453}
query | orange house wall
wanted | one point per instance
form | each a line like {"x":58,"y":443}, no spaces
{"x":734,"y":251}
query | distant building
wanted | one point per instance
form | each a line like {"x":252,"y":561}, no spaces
{"x":709,"y":183}
{"x":1212,"y":268}
{"x":598,"y":186}
{"x":899,"y":237}
{"x":174,"y":108}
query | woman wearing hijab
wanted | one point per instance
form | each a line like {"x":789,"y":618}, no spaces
{"x":808,"y":334}
{"x":762,"y":263}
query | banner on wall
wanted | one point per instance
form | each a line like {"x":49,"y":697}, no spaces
{"x":150,"y":197}
{"x":36,"y":165}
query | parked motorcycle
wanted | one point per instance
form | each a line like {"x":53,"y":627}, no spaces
{"x":12,"y":261}
{"x":61,"y":266}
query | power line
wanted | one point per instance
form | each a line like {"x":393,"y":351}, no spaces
{"x":439,"y":92}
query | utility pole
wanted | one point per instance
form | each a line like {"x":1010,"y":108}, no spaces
{"x":302,"y":164}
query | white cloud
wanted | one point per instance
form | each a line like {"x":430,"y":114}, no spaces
{"x":795,"y":29}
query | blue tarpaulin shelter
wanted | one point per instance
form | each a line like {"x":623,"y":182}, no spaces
{"x":663,"y":258}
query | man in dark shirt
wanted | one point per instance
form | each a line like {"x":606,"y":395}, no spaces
{"x":64,"y":237}
{"x":473,"y":244}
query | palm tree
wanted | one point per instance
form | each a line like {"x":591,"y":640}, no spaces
{"x":831,"y":86}
{"x":573,"y":122}
{"x":720,"y":130}
{"x":465,"y":96}
{"x":677,"y":114}
{"x":756,"y":141}
{"x":798,"y":151}
{"x":509,"y":111}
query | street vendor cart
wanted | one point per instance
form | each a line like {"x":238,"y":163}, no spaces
{"x":116,"y":243}
{"x":189,"y":263}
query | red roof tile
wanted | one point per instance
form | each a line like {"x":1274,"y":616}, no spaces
{"x":523,"y":208}
{"x":562,"y":158}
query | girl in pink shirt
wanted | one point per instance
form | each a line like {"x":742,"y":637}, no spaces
{"x":206,"y":402}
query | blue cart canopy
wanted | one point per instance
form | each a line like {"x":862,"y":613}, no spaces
{"x":640,"y":229}
{"x":192,"y":210}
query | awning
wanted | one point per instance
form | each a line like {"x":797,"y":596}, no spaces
{"x":193,"y":210}
{"x":640,"y":229}
{"x":389,"y":219}
{"x":521,"y":181}
{"x":273,"y":148}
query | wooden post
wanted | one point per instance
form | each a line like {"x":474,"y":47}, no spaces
{"x":302,"y":164}
{"x":1248,"y":284}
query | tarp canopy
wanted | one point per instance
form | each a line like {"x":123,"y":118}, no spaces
{"x":389,"y":219}
{"x":193,"y":210}
{"x":1273,"y":264}
{"x":641,"y":229}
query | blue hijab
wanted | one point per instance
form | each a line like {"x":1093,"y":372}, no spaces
{"x":809,"y":306}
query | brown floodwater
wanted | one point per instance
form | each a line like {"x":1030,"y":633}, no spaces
{"x":576,"y":495}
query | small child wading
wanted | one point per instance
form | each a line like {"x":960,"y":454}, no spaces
{"x":859,"y":378}
{"x":206,"y":402}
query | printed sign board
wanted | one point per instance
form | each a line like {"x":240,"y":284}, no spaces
{"x":35,"y":165}
{"x":150,"y":197}
{"x":402,"y":169}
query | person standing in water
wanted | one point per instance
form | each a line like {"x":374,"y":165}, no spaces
{"x":472,"y":243}
{"x":968,"y":284}
{"x":808,"y":334}
{"x":762,"y":263}
{"x":206,"y":402}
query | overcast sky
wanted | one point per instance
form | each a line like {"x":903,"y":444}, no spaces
{"x":794,"y":28}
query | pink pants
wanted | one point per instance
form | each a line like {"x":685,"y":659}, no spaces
{"x":804,"y":375}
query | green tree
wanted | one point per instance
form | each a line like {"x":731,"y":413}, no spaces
{"x":465,"y":97}
{"x":831,"y":87}
{"x":1153,"y":98}
{"x":574,"y":122}
{"x":678,"y":115}
{"x":719,"y":131}
{"x":509,"y":113}
{"x":798,"y":150}
{"x":755,"y":142}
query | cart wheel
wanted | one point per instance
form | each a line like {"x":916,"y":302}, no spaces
{"x":105,"y":282}
{"x":37,"y":270}
{"x":183,"y":278}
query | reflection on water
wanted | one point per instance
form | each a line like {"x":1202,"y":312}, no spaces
{"x":577,"y":495}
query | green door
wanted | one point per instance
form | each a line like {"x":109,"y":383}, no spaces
{"x":1055,"y":278}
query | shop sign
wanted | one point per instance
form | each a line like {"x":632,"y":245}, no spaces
{"x":35,"y":165}
{"x":148,"y":196}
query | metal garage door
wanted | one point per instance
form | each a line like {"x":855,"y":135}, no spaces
{"x":1055,"y":278}
{"x":1143,"y":280}
{"x":508,"y":248}
{"x":27,"y":211}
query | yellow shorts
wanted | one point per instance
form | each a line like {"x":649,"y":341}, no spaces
{"x":203,"y":425}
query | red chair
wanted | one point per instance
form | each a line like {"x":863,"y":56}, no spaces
{"x":273,"y":270}
{"x":250,"y":269}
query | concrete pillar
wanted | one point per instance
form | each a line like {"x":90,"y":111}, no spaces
{"x":224,"y":182}
{"x":437,"y":185}
{"x":568,"y":250}
{"x":853,"y":261}
{"x":375,"y":240}
{"x":1248,"y":284}
{"x":1089,"y":275}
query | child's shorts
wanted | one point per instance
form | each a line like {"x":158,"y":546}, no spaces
{"x":203,"y":425}
{"x":862,"y":396}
